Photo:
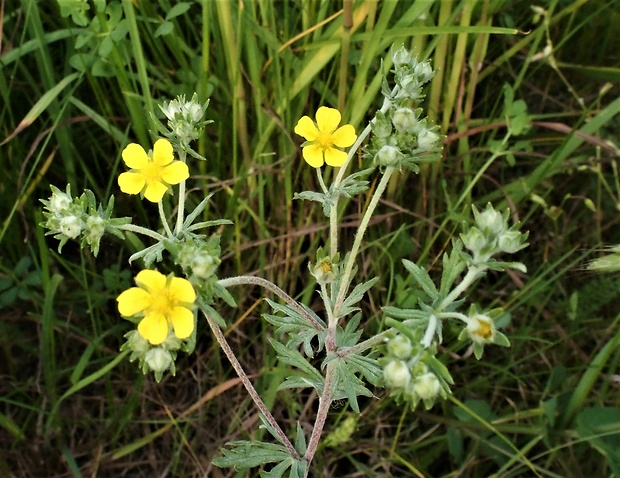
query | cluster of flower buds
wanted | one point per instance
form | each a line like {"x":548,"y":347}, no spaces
{"x":185,"y":121}
{"x":199,"y":260}
{"x":412,"y":373}
{"x":491,"y":235}
{"x":70,"y":218}
{"x":156,"y":358}
{"x":401,"y":136}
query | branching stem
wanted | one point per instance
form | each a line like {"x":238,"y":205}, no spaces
{"x":253,"y":280}
{"x":219,"y":336}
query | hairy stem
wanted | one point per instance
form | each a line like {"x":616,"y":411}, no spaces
{"x":365,"y":345}
{"x":181,"y":211}
{"x":346,"y":276}
{"x":325,"y":401}
{"x":253,"y":280}
{"x":142,"y":230}
{"x":164,"y":220}
{"x":219,"y":336}
{"x":472,"y":274}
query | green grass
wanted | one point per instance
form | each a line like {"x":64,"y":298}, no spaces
{"x":70,"y":405}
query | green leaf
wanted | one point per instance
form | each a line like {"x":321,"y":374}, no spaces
{"x":297,"y":327}
{"x":325,"y":201}
{"x":249,"y":454}
{"x":422,"y":278}
{"x":351,"y":185}
{"x":347,"y":384}
{"x":354,"y":297}
{"x":164,"y":29}
{"x":452,"y":268}
{"x":600,"y":426}
{"x":191,"y":217}
{"x":214,"y":314}
{"x":179,"y":9}
{"x":41,"y":105}
{"x":309,"y":377}
{"x":300,"y":441}
{"x":222,"y":293}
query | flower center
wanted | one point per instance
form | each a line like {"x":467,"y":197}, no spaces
{"x":161,"y":304}
{"x":484,"y":329}
{"x":325,"y":140}
{"x":151,"y":172}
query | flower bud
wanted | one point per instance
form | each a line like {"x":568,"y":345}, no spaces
{"x":204,"y":265}
{"x":490,"y":221}
{"x":158,"y":359}
{"x":474,"y":240}
{"x":426,"y":386}
{"x":136,"y":343}
{"x":510,"y":241}
{"x":400,"y":347}
{"x":424,"y":70}
{"x":381,"y":127}
{"x":70,"y":226}
{"x":404,"y":119}
{"x":396,"y":374}
{"x":401,"y":57}
{"x":427,"y":140}
{"x":94,"y":229}
{"x":388,"y":156}
{"x":59,"y":202}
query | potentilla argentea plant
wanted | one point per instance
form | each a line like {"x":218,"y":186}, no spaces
{"x":166,"y":309}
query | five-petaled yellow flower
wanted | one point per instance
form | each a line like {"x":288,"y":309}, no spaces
{"x":324,"y":138}
{"x":163,"y":301}
{"x":152,"y":175}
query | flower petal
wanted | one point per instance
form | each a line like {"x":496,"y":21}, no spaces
{"x":155,"y":191}
{"x":313,"y":154}
{"x":182,"y":321}
{"x":151,"y":280}
{"x":344,"y":136}
{"x":181,"y":290}
{"x":134,"y":156}
{"x":305,"y":127}
{"x":132,"y":301}
{"x":154,"y":328}
{"x":335,"y":157}
{"x":327,"y":119}
{"x":131,"y":183}
{"x":162,"y":152}
{"x":175,"y":172}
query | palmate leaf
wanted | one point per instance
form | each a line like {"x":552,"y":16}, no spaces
{"x":325,"y":200}
{"x":453,"y":265}
{"x":307,"y":376}
{"x":348,"y":306}
{"x":250,"y":453}
{"x":351,"y":185}
{"x":421,"y":276}
{"x":297,"y":327}
{"x":347,"y":384}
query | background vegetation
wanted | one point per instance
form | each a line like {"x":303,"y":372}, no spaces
{"x":75,"y":89}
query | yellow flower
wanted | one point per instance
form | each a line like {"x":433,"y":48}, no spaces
{"x":324,"y":139}
{"x":163,"y":301}
{"x":151,"y":176}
